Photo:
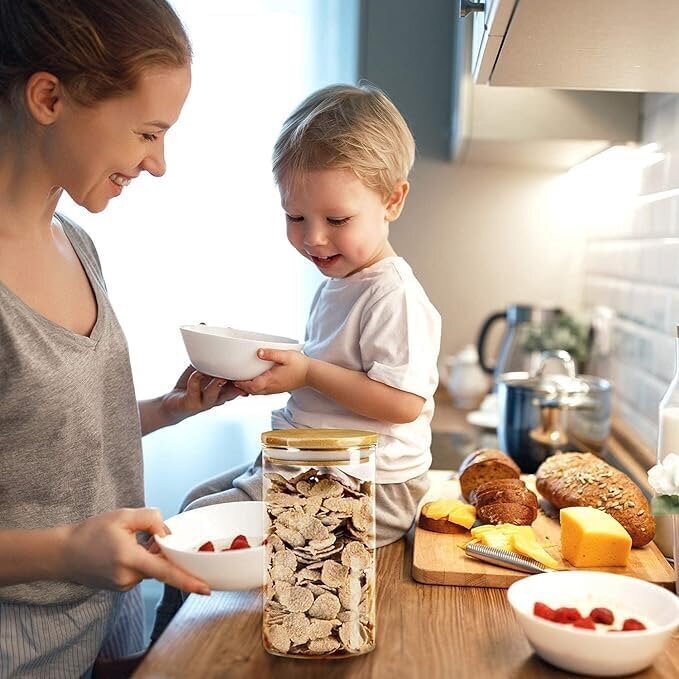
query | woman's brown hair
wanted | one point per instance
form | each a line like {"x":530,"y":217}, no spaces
{"x":97,"y":48}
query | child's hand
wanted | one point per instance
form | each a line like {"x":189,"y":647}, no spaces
{"x":196,"y":392}
{"x":289,"y":373}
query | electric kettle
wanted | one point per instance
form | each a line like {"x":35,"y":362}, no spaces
{"x":512,"y":356}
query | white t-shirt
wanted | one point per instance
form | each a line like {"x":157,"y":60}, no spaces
{"x":378,"y":321}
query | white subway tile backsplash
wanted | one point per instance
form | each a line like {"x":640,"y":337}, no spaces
{"x":673,"y":312}
{"x":642,"y":222}
{"x":654,"y":178}
{"x":668,"y":264}
{"x":646,"y":429}
{"x":633,"y":268}
{"x":671,"y":164}
{"x":663,"y":363}
{"x":674,"y":217}
{"x":661,"y":217}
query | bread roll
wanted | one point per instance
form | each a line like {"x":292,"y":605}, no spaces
{"x":583,"y":480}
{"x":485,"y":465}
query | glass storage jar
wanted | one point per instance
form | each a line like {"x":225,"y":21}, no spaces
{"x":319,"y":492}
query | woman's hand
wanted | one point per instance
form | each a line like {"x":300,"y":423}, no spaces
{"x":194,"y":393}
{"x":289,"y":373}
{"x":103,"y":552}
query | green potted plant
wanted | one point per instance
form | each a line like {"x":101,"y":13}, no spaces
{"x":566,"y":333}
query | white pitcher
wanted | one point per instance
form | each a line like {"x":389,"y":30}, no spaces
{"x":467,"y":383}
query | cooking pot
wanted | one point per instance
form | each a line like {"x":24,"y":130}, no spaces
{"x":541,"y":414}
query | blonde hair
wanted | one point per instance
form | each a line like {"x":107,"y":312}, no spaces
{"x":346,"y":127}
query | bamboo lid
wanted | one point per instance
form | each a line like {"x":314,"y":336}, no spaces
{"x":318,"y":439}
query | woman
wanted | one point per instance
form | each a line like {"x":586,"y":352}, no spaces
{"x":88,"y":90}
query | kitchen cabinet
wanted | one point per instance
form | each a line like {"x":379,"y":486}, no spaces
{"x":543,"y":128}
{"x":622,"y":45}
{"x":421,"y":54}
{"x":409,"y":50}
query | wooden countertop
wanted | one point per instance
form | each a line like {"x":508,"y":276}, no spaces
{"x":422,"y":631}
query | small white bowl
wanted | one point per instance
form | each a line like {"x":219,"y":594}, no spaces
{"x":231,"y":354}
{"x":604,"y":654}
{"x":238,"y":569}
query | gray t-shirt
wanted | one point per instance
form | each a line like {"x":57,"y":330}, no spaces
{"x":70,"y":437}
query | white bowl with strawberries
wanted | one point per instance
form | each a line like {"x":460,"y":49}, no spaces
{"x":589,"y":622}
{"x":221,"y":544}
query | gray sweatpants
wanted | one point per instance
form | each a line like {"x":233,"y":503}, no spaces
{"x":395,"y":509}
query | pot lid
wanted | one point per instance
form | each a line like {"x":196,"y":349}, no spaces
{"x":556,"y":384}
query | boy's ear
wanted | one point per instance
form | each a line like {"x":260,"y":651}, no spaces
{"x":43,"y":94}
{"x":397,"y":200}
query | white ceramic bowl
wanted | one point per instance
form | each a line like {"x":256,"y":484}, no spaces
{"x":231,"y":354}
{"x":604,"y":654}
{"x":233,"y":570}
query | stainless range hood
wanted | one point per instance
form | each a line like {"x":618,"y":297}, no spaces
{"x":621,"y":45}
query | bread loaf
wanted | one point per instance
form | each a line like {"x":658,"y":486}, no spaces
{"x":496,"y":484}
{"x":439,"y":525}
{"x":583,"y":480}
{"x":500,"y":491}
{"x":485,"y":465}
{"x":505,"y":501}
{"x":507,"y":512}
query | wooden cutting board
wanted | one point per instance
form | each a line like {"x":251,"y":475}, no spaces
{"x":439,"y":559}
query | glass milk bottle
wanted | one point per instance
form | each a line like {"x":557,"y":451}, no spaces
{"x":319,"y":492}
{"x":667,"y":536}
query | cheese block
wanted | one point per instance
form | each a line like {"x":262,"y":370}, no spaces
{"x":591,"y":538}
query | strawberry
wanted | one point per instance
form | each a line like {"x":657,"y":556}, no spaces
{"x":566,"y":615}
{"x":602,"y":615}
{"x":240,"y":542}
{"x":585,"y":623}
{"x":206,"y":547}
{"x":543,"y":611}
{"x":632,"y":625}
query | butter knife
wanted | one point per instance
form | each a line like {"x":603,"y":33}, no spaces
{"x":504,"y":558}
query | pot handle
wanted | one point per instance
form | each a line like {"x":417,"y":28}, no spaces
{"x":560,"y":355}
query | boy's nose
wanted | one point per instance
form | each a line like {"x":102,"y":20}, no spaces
{"x":314,"y":234}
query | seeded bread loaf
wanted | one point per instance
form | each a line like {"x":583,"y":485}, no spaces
{"x":485,"y":465}
{"x":583,"y":480}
